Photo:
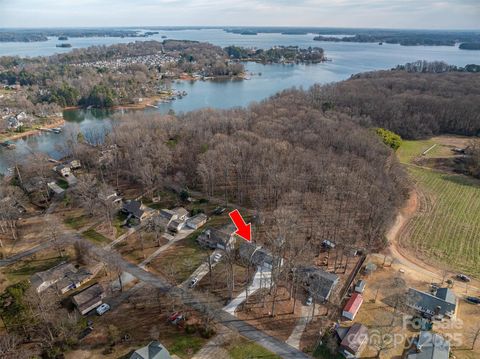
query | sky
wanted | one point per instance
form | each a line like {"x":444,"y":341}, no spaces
{"x":417,"y":14}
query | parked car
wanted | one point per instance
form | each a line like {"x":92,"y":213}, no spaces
{"x":193,"y":282}
{"x":219,"y":210}
{"x":102,"y":309}
{"x":309,"y":301}
{"x":217,"y":257}
{"x":463,"y":278}
{"x":328,"y":244}
{"x":473,"y":300}
{"x":175,"y":318}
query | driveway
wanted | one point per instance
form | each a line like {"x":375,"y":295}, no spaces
{"x":261,"y":279}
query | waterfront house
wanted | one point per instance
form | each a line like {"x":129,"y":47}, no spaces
{"x":89,"y":299}
{"x":154,"y":350}
{"x":353,"y":306}
{"x":442,"y":303}
{"x":63,"y":170}
{"x":429,"y":345}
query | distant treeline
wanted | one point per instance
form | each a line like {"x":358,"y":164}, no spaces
{"x":292,"y":54}
{"x":35,"y":35}
{"x":411,"y":104}
{"x":436,"y":67}
{"x":407,"y":38}
{"x":470,"y":46}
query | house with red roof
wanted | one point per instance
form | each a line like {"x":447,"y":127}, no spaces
{"x":353,"y":305}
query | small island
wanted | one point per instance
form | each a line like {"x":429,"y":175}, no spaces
{"x":469,"y":46}
{"x":62,"y":38}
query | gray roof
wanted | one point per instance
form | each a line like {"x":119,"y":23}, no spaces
{"x":257,"y":255}
{"x":430,"y":346}
{"x":197,"y":219}
{"x":154,"y":350}
{"x":88,"y":294}
{"x":320,"y":283}
{"x":447,"y":295}
{"x":134,"y":208}
{"x":443,"y":303}
{"x":53,"y":274}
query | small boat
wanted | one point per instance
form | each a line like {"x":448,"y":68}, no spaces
{"x":57,"y":130}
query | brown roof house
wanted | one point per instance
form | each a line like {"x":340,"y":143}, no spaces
{"x":89,"y":299}
{"x":352,"y":340}
{"x":222,"y":238}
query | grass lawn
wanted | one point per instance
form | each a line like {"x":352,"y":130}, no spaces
{"x":185,"y":345}
{"x":181,"y":260}
{"x":93,"y":236}
{"x":447,"y":225}
{"x":245,"y":349}
{"x":25,"y":269}
{"x":118,"y":222}
{"x":76,"y":222}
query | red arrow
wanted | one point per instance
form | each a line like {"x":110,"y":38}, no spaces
{"x":243,"y":230}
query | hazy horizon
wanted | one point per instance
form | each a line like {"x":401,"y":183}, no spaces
{"x":374,"y":14}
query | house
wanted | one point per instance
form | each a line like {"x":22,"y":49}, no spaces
{"x":223,"y":238}
{"x":63,"y":170}
{"x":43,"y":280}
{"x":258,"y":256}
{"x":133,"y":209}
{"x":353,"y":305}
{"x":13,"y":123}
{"x":154,"y":350}
{"x":89,"y":298}
{"x":443,"y":303}
{"x":197,"y":221}
{"x":429,"y":345}
{"x":55,"y":190}
{"x":176,"y":225}
{"x":75,"y":165}
{"x":319,"y":283}
{"x":74,"y":280}
{"x":360,"y":287}
{"x":352,"y":340}
{"x":181,"y":213}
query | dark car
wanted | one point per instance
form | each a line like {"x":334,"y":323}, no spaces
{"x":463,"y":278}
{"x":473,"y":300}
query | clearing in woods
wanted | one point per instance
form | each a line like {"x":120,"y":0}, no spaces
{"x":446,"y":227}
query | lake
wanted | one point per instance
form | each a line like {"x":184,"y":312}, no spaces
{"x":266,"y":80}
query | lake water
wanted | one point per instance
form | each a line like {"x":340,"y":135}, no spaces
{"x":347,"y":59}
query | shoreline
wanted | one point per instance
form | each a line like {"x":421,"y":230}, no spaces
{"x":34,"y":131}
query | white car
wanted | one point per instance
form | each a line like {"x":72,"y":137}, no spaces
{"x":102,"y":309}
{"x":217,"y":257}
{"x":309,"y":301}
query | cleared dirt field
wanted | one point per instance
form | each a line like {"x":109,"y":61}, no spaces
{"x":446,"y":227}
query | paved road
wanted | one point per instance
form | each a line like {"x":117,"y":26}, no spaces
{"x":192,"y":299}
